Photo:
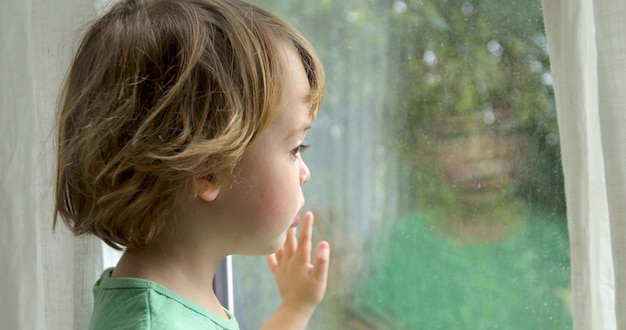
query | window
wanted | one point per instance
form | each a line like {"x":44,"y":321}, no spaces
{"x":436,"y":169}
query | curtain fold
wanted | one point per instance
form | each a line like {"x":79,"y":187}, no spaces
{"x":587,"y":42}
{"x":19,"y":257}
{"x":611,"y":45}
{"x":45,"y":274}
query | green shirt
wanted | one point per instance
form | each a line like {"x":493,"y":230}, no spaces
{"x":419,"y":281}
{"x":132,"y":303}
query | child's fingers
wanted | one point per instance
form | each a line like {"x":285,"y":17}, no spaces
{"x":320,"y":264}
{"x":272,"y":262}
{"x":304,"y":240}
{"x":291,"y":243}
{"x":279,"y":255}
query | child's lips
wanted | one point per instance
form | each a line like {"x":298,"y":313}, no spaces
{"x":296,"y":221}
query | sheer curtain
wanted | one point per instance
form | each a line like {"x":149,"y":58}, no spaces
{"x":46,"y":277}
{"x":588,"y":53}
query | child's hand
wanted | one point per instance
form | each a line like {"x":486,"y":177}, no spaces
{"x":301,"y":284}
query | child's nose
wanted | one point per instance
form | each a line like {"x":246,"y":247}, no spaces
{"x":305,"y":174}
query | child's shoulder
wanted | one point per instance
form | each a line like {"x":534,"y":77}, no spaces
{"x":132,"y":303}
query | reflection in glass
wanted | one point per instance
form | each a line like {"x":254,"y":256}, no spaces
{"x":435,"y":169}
{"x":471,"y":254}
{"x":480,"y":245}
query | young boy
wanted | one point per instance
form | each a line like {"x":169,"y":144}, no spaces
{"x":181,"y":124}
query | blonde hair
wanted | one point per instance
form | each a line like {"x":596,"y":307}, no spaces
{"x":161,"y":92}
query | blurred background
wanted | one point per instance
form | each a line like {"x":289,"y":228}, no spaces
{"x":435,"y":168}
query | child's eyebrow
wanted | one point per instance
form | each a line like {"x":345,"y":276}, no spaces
{"x":302,"y":129}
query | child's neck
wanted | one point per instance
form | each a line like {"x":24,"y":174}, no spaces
{"x":176,"y":268}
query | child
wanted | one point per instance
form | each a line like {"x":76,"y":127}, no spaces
{"x":181,"y":124}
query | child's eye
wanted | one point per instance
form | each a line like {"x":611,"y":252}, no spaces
{"x":299,"y":149}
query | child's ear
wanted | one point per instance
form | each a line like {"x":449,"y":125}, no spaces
{"x":206,"y":189}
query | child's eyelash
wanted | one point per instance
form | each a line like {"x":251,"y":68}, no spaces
{"x":299,"y":149}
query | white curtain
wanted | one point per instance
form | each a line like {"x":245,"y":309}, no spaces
{"x":587,"y":40}
{"x":46,"y":277}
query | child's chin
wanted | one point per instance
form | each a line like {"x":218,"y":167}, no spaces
{"x":276,"y":246}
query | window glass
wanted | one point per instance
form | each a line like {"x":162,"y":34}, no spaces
{"x":435,"y":167}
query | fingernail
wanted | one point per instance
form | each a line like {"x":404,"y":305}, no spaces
{"x":324,"y":246}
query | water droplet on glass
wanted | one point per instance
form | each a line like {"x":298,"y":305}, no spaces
{"x":399,"y":7}
{"x":430,"y":58}
{"x":546,"y":79}
{"x":467,"y":9}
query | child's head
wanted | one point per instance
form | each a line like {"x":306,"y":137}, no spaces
{"x":160,"y":93}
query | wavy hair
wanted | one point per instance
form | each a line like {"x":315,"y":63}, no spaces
{"x":161,"y":92}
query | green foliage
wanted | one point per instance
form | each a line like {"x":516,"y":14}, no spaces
{"x":455,"y":58}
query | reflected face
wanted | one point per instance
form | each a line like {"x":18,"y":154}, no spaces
{"x":264,"y":200}
{"x":481,"y":164}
